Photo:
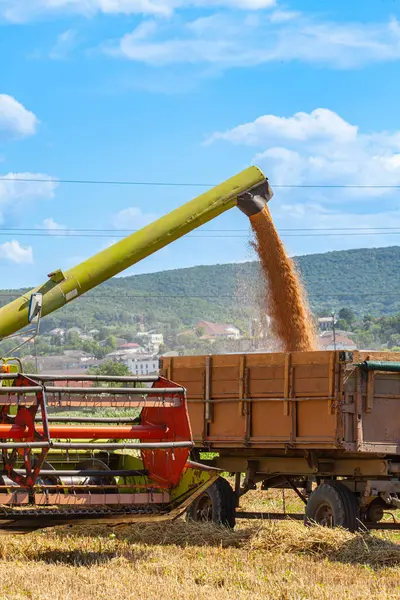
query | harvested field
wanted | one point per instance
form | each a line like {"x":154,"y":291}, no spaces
{"x":277,"y":560}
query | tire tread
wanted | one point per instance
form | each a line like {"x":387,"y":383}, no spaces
{"x":343,"y":501}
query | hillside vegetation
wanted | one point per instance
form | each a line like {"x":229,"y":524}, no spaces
{"x":365,"y":280}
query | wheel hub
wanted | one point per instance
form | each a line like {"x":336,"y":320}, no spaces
{"x":324,"y":516}
{"x":204,"y":509}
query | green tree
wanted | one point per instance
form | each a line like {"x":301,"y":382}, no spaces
{"x":103,"y":332}
{"x":129,"y":336}
{"x":111,"y":342}
{"x":110,"y":367}
{"x":342,"y":324}
{"x":365,"y":339}
{"x":394,"y":340}
{"x":73,"y":341}
{"x":347,"y":314}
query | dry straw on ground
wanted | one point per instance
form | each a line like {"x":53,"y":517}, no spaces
{"x":186,"y":560}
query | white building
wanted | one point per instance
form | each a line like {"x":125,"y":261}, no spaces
{"x":156,"y":339}
{"x":218,"y":330}
{"x":152,"y":339}
{"x":143,"y":364}
{"x":57,"y":333}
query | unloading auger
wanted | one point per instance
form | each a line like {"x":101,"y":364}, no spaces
{"x":61,"y":469}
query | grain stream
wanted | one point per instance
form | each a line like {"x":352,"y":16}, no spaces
{"x":285,"y":299}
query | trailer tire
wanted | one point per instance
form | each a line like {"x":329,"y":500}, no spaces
{"x":216,"y":504}
{"x":332,"y":504}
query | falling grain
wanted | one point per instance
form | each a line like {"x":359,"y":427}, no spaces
{"x":286,"y":304}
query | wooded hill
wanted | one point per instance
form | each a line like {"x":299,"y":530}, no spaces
{"x":366,"y":280}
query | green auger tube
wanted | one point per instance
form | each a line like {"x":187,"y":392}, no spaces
{"x":248,"y":190}
{"x":380,"y":365}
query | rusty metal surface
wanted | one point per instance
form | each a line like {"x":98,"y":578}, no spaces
{"x":340,"y":467}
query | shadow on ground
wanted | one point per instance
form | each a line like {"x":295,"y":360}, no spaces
{"x":337,"y":545}
{"x":89,"y":558}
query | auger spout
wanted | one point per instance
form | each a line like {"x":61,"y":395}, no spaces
{"x":249,"y":190}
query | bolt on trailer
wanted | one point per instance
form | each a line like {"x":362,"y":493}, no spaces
{"x":325,"y":424}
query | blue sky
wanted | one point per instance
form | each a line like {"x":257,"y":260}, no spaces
{"x":194,"y":91}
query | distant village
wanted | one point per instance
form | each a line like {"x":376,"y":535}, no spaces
{"x":141,"y":357}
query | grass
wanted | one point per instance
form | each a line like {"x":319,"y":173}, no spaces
{"x":272,"y":560}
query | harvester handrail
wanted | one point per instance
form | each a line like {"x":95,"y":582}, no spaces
{"x":85,"y":473}
{"x":119,"y":378}
{"x":28,"y":389}
{"x":105,"y":390}
{"x":95,"y":446}
{"x":61,"y":419}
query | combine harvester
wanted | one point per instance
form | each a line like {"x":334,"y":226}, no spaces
{"x":115,"y":470}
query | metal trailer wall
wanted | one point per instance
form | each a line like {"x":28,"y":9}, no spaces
{"x":297,"y":402}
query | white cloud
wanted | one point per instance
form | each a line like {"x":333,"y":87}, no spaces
{"x":20,"y":11}
{"x":325,"y":228}
{"x":55,"y":228}
{"x":26,"y":186}
{"x":51,"y":225}
{"x":132,"y":218}
{"x":282,"y":16}
{"x":66,"y":42}
{"x":15,"y":120}
{"x":330,"y":151}
{"x":15,"y":190}
{"x":228,"y":39}
{"x":321,"y":123}
{"x":243,"y":34}
{"x":320,"y":148}
{"x":16,"y":253}
{"x":241,"y":4}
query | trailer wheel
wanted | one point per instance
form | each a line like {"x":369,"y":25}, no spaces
{"x":332,"y":504}
{"x":217,"y":504}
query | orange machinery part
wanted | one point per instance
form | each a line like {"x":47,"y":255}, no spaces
{"x":141,"y":432}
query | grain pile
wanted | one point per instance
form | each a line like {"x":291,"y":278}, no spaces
{"x":285,"y":299}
